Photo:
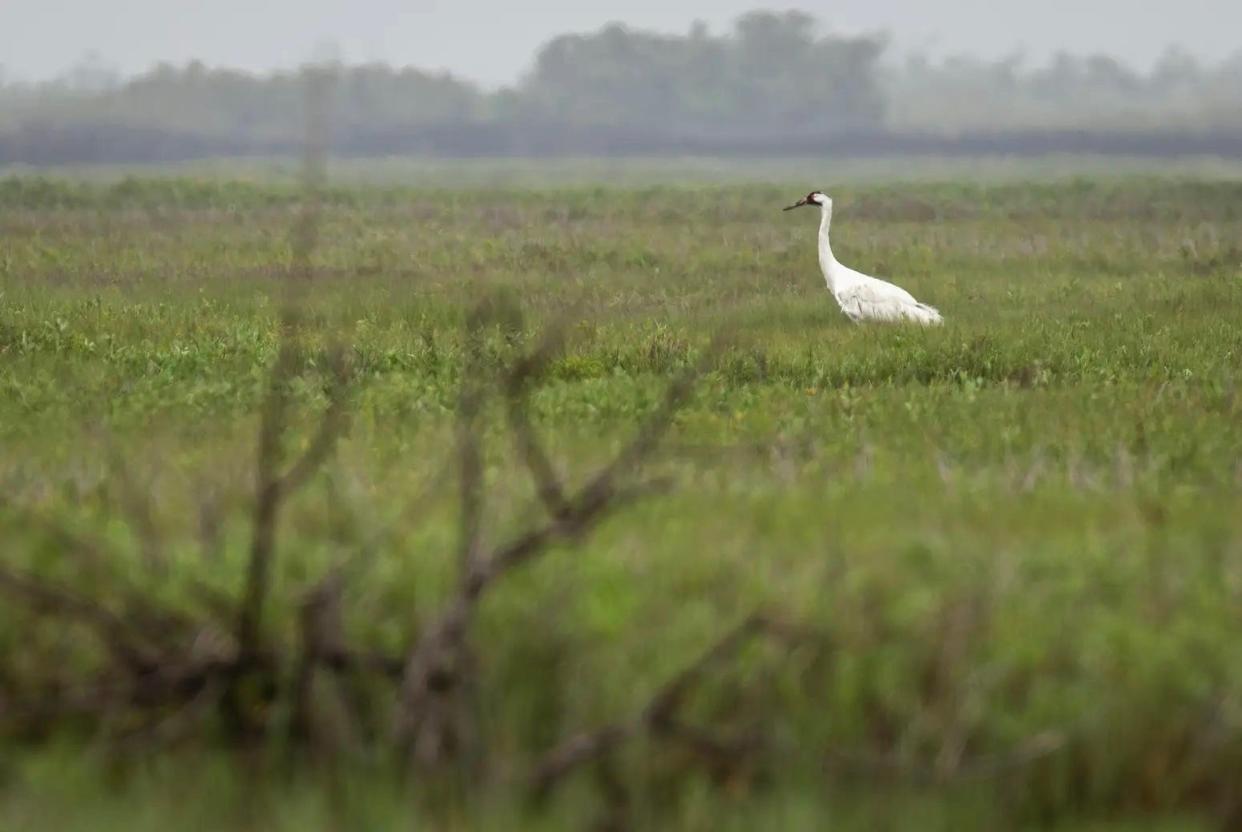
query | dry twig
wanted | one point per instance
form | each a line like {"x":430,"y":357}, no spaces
{"x":659,"y":715}
{"x":432,"y":719}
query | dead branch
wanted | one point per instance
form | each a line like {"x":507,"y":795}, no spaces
{"x":321,"y":715}
{"x":583,"y":514}
{"x":271,"y":486}
{"x":345,"y":660}
{"x":103,"y":559}
{"x":274,"y":488}
{"x":332,"y":426}
{"x":136,"y":503}
{"x":666,"y":700}
{"x":578,"y":750}
{"x":469,"y":447}
{"x":602,"y":493}
{"x":518,"y":381}
{"x":321,"y":633}
{"x":983,"y":767}
{"x":266,"y":500}
{"x":659,"y":715}
{"x":431,"y":716}
{"x":115,"y":633}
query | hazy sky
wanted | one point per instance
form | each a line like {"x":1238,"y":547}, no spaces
{"x":492,"y":41}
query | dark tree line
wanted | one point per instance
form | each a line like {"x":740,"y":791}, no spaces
{"x":772,"y":85}
{"x":1069,"y":92}
{"x":772,"y":72}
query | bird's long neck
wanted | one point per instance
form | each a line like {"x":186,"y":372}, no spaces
{"x":827,"y":262}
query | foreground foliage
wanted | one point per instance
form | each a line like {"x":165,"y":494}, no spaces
{"x":1004,"y":557}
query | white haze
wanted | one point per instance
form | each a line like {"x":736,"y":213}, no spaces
{"x":492,"y":41}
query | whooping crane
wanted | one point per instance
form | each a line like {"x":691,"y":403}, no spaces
{"x":862,"y":297}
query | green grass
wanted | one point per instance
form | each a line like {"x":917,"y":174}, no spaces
{"x":1025,"y":521}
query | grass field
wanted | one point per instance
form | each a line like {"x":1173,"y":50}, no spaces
{"x":1011,"y":546}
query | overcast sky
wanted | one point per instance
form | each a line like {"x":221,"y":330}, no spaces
{"x":492,"y":41}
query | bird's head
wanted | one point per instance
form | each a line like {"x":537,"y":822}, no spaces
{"x":813,"y":198}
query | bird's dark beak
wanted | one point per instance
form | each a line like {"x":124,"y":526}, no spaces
{"x":797,"y":204}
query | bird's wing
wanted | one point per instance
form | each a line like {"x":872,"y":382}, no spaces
{"x":871,"y":299}
{"x":891,"y":292}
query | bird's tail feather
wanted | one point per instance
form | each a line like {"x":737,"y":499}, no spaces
{"x":925,"y":314}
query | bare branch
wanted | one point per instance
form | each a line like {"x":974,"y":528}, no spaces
{"x":331,"y":427}
{"x":517,"y":388}
{"x":320,"y":627}
{"x":580,"y":517}
{"x":116,"y":635}
{"x":342,"y":660}
{"x":469,"y":447}
{"x":602,"y":491}
{"x":266,"y":501}
{"x":673,"y":693}
{"x":430,"y":722}
{"x":104,"y":562}
{"x":653,"y":430}
{"x":658,"y":715}
{"x":270,"y":486}
{"x":984,"y":767}
{"x":136,"y":503}
{"x":579,"y":750}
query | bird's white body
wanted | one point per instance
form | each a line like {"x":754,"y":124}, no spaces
{"x":860,"y":296}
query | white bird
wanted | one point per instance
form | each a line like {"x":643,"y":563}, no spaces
{"x":862,"y":297}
